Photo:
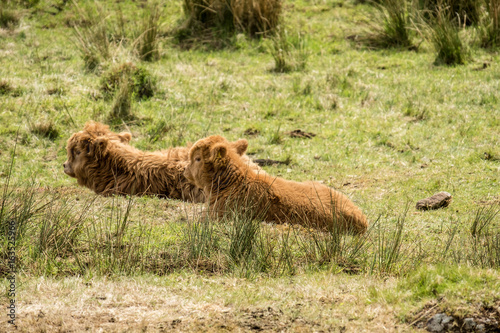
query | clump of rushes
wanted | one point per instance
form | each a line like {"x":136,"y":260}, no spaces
{"x":255,"y":17}
{"x":148,"y":40}
{"x":92,"y":38}
{"x":445,"y":36}
{"x":468,"y":11}
{"x":142,"y":83}
{"x":489,"y":27}
{"x":122,"y":104}
{"x":289,"y":51}
{"x":9,"y":18}
{"x":394,"y":28}
{"x":485,"y":238}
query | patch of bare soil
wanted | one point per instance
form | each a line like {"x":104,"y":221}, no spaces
{"x":188,"y":303}
{"x":173,"y":318}
{"x":121,"y":320}
{"x":301,"y":134}
{"x":266,"y":162}
{"x":491,"y":202}
{"x":251,"y":132}
{"x":485,"y":319}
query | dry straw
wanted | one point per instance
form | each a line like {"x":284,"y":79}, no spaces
{"x":251,"y":16}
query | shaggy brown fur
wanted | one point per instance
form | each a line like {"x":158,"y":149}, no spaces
{"x":97,"y":129}
{"x":104,"y":162}
{"x":232,"y":185}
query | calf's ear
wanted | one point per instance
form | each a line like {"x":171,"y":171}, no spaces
{"x":241,"y":146}
{"x":218,"y":152}
{"x":125,"y":137}
{"x":97,"y":147}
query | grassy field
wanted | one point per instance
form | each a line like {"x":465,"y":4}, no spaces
{"x":392,"y":126}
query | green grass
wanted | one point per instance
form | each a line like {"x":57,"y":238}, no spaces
{"x":391,"y":128}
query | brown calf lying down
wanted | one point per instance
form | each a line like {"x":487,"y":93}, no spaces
{"x":104,"y":162}
{"x":231,"y":184}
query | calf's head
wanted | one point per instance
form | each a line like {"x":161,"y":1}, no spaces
{"x":84,"y":153}
{"x":209,"y":155}
{"x":81,"y":147}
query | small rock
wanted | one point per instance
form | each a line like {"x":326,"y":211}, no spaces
{"x":438,"y":200}
{"x":439,"y":322}
{"x":480,"y":328}
{"x":469,"y":324}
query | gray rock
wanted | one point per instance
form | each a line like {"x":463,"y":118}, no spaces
{"x":480,"y":328}
{"x":439,"y":322}
{"x":469,"y":324}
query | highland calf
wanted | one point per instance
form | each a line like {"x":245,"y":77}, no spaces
{"x":104,"y":162}
{"x":231,"y":185}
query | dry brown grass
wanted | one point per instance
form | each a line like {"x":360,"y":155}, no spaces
{"x":252,"y":16}
{"x":489,"y":29}
{"x":327,"y":302}
{"x":45,"y":129}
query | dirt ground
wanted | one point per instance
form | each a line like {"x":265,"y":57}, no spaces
{"x":192,"y":305}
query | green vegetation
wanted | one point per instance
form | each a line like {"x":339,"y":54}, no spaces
{"x":489,"y":30}
{"x":445,"y":35}
{"x":392,"y":126}
{"x":141,"y":83}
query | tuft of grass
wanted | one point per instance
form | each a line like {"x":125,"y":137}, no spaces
{"x":143,"y":84}
{"x":276,"y":137}
{"x":415,"y":110}
{"x":445,"y":36}
{"x":394,"y":27}
{"x":59,"y":231}
{"x":255,"y":17}
{"x":290,"y":52}
{"x":467,"y":11}
{"x":122,"y":103}
{"x":9,"y":18}
{"x":113,"y":246}
{"x":201,"y":241}
{"x":485,"y":236}
{"x":6,"y":88}
{"x":489,"y":26}
{"x":251,"y":248}
{"x":57,"y":236}
{"x":239,"y":243}
{"x":243,"y":233}
{"x":335,"y":246}
{"x":92,"y":38}
{"x":388,"y":256}
{"x":148,"y":40}
{"x":46,"y":129}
